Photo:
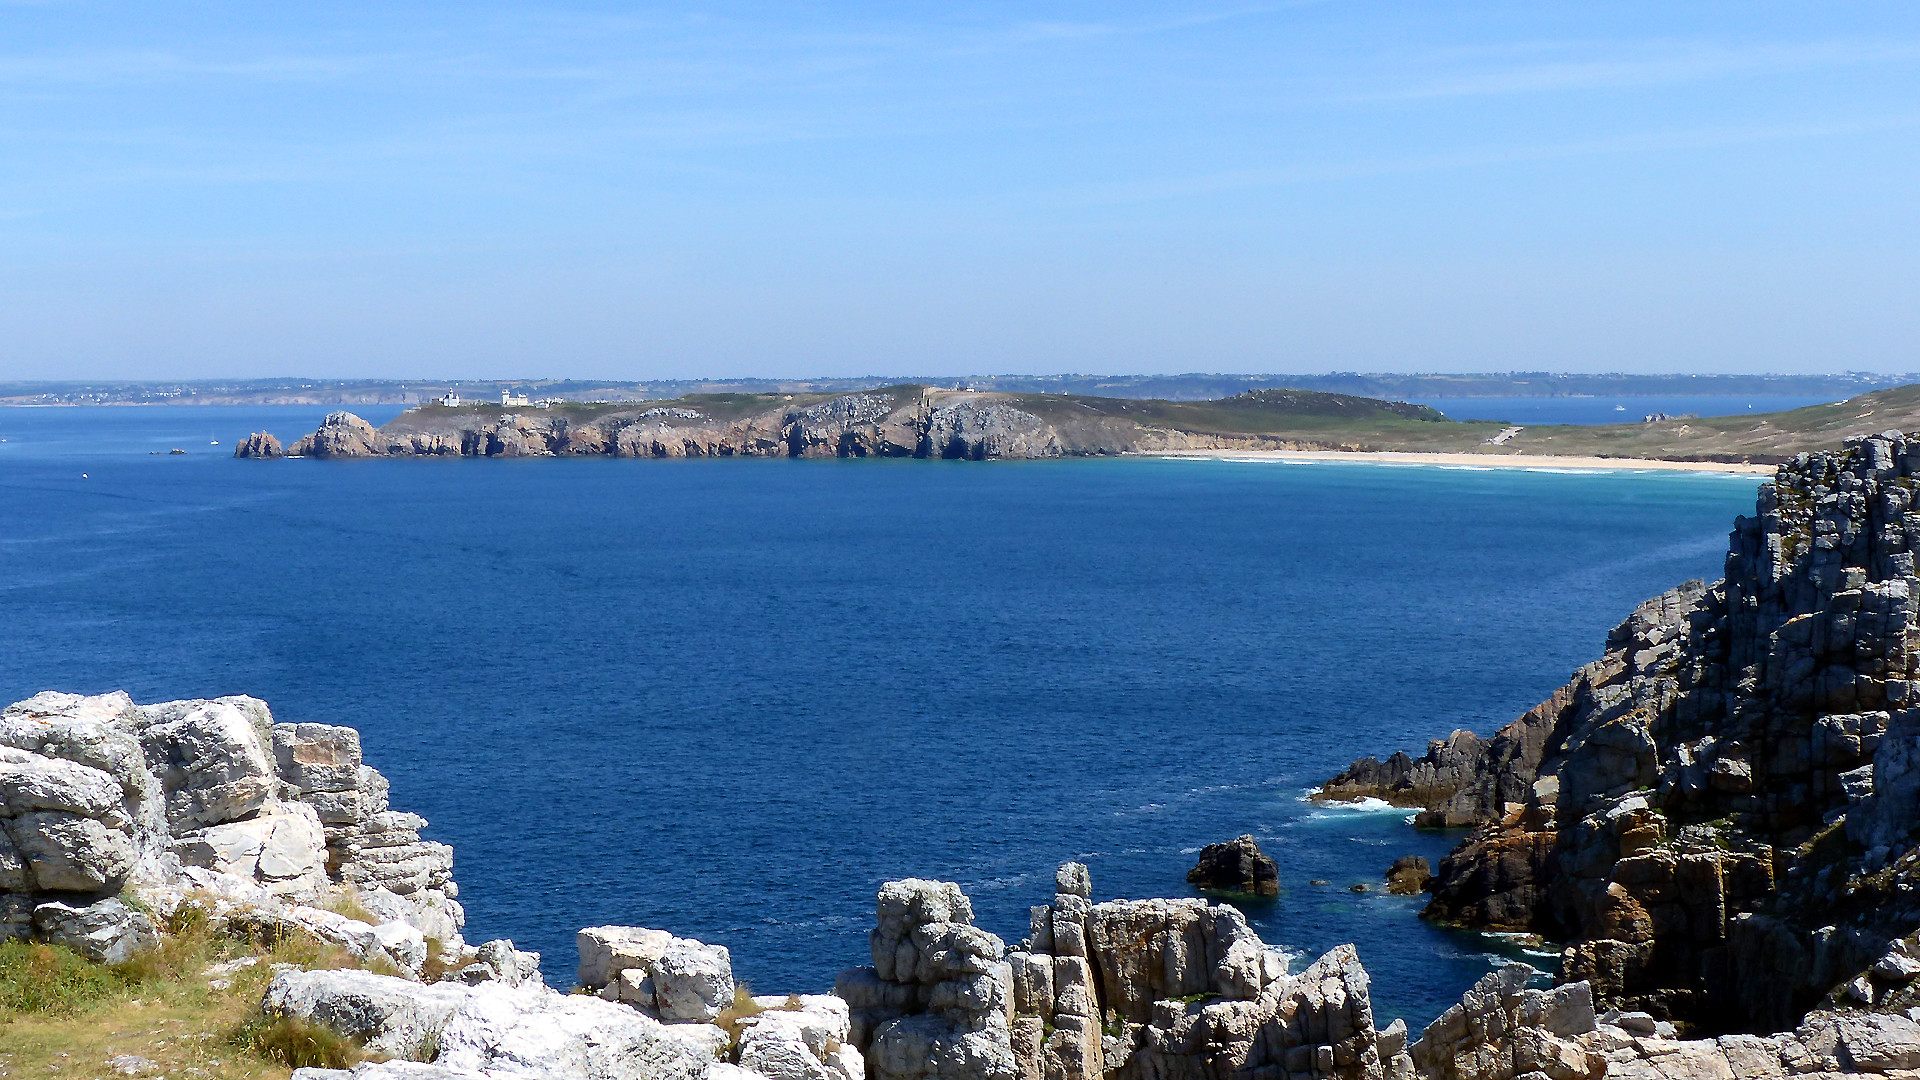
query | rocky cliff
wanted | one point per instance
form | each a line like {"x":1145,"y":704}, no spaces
{"x":1717,"y":815}
{"x":894,"y":422}
{"x":102,"y":800}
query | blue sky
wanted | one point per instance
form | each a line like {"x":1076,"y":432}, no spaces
{"x":626,"y":191}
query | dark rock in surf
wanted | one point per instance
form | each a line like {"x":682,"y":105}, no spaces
{"x":1409,"y":874}
{"x":1238,"y":865}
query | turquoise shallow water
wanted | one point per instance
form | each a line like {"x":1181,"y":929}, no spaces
{"x":729,"y":698}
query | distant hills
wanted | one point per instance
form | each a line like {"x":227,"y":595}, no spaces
{"x":1190,"y":387}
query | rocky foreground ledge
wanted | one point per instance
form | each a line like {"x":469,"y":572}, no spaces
{"x":116,"y":817}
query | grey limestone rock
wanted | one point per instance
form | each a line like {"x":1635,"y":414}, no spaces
{"x":535,"y":1032}
{"x":1072,"y":879}
{"x":105,"y":931}
{"x":677,"y":979}
{"x":208,"y":796}
{"x":387,"y":1015}
{"x":692,"y":981}
{"x":498,"y":961}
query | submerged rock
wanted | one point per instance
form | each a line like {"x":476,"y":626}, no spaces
{"x":1236,"y":865}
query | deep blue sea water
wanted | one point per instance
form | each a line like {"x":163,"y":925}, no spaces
{"x":729,"y":698}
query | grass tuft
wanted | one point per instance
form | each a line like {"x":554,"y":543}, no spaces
{"x":296,"y":1044}
{"x":347,"y":904}
{"x":440,"y":963}
{"x":743,"y":1008}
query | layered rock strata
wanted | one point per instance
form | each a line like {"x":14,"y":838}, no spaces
{"x":1716,"y":816}
{"x":212,"y":801}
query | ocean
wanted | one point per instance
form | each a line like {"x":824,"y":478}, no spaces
{"x":730,"y":698}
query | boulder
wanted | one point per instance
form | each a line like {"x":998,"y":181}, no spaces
{"x":105,"y":931}
{"x":1879,"y":1043}
{"x":1072,"y":879}
{"x":807,"y":1043}
{"x":535,"y":1032}
{"x":285,"y":850}
{"x":498,"y":961}
{"x":1236,"y":866}
{"x":606,"y":951}
{"x":386,"y":1015}
{"x":210,"y":757}
{"x":62,"y":852}
{"x":692,"y":981}
{"x":318,"y":757}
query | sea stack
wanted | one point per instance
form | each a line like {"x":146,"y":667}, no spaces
{"x":1236,"y":866}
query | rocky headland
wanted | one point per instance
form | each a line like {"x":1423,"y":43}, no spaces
{"x":1716,"y":818}
{"x":927,"y":422}
{"x":906,"y":421}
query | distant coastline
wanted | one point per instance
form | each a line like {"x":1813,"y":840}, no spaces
{"x":1547,"y":462}
{"x":929,"y":422}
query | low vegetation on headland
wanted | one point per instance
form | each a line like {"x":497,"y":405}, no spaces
{"x":927,"y":422}
{"x":187,"y":1005}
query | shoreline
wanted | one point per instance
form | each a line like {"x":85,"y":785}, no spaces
{"x":1467,"y":460}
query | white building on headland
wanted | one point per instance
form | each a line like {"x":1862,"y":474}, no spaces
{"x":510,"y":399}
{"x":450,"y":399}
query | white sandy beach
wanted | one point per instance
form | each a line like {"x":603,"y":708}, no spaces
{"x":1481,"y":461}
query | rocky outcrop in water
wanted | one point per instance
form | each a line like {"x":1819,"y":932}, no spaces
{"x":259,"y":445}
{"x":1237,"y":866}
{"x":1718,"y":815}
{"x":1409,"y":875}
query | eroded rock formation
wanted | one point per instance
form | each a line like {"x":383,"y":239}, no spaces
{"x":260,"y":444}
{"x":1238,"y":866}
{"x":1127,"y":988}
{"x":1716,"y":816}
{"x":212,"y":799}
